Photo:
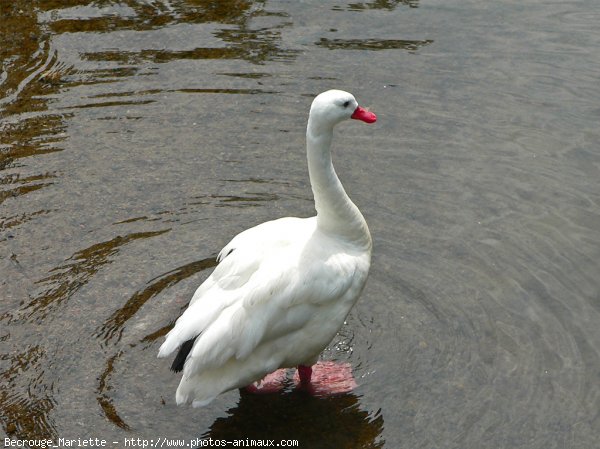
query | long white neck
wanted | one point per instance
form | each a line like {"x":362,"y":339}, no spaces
{"x":336,"y":213}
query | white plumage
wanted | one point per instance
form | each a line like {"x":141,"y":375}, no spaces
{"x":282,"y":289}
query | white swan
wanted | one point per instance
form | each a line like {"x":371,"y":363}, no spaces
{"x":282,"y":289}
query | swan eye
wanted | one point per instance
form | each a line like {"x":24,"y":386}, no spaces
{"x":346,"y":103}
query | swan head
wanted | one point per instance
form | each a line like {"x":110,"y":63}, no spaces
{"x":334,"y":106}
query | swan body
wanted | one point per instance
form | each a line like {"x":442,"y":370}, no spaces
{"x":282,"y":289}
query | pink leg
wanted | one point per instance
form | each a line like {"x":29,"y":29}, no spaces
{"x":271,"y":383}
{"x":305,"y":373}
{"x":325,"y":378}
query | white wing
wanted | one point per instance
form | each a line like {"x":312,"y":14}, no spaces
{"x":268,"y":283}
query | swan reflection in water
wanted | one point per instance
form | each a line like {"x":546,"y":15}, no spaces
{"x":317,"y":422}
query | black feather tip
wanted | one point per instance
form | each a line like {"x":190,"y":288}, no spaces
{"x":181,"y":356}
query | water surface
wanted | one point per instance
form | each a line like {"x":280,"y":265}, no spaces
{"x":138,"y":137}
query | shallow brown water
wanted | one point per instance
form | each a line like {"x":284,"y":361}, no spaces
{"x":138,"y":137}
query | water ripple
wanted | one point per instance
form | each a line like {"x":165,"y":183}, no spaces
{"x":68,"y":278}
{"x":113,"y":327}
{"x":372,"y":44}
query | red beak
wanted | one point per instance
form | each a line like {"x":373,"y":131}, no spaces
{"x":364,"y":115}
